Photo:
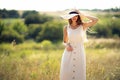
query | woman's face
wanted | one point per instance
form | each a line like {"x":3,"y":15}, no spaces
{"x":74,"y":19}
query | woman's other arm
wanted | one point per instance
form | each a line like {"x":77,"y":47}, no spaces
{"x":92,"y":21}
{"x":65,"y":38}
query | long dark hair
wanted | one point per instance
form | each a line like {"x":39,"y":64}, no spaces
{"x":79,"y":20}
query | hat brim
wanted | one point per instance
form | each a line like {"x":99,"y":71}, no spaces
{"x":69,"y":16}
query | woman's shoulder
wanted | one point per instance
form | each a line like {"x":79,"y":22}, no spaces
{"x":66,"y":26}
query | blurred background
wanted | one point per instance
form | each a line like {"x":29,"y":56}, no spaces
{"x":31,"y":35}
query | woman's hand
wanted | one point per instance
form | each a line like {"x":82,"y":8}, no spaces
{"x":69,"y":47}
{"x":81,"y":14}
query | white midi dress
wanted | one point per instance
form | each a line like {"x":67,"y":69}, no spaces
{"x":73,"y":63}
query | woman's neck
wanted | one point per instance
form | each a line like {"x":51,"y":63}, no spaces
{"x":74,"y":24}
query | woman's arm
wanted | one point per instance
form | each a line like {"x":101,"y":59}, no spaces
{"x":92,"y":21}
{"x":65,"y":38}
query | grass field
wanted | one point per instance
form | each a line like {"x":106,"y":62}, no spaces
{"x":41,"y":61}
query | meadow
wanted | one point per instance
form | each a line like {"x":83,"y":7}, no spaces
{"x":40,"y":58}
{"x":41,"y":61}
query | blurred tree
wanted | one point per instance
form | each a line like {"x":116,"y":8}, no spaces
{"x":45,"y":18}
{"x":1,"y":27}
{"x":26,"y":13}
{"x":4,"y":13}
{"x":37,"y":19}
{"x":33,"y":30}
{"x":9,"y":13}
{"x":32,"y":19}
{"x":52,"y":31}
{"x":20,"y":27}
{"x":12,"y":32}
{"x":9,"y":36}
{"x":13,"y":14}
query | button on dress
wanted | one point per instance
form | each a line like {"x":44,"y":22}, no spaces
{"x":73,"y":63}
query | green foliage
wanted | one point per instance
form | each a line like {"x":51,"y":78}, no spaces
{"x":103,"y":31}
{"x":115,"y":26}
{"x":45,"y":18}
{"x":1,"y":27}
{"x":43,"y":27}
{"x":12,"y":31}
{"x":20,"y":28}
{"x":46,"y":44}
{"x":9,"y":14}
{"x":37,"y":19}
{"x":51,"y":31}
{"x":32,"y":19}
{"x":33,"y":31}
{"x":10,"y":35}
{"x":13,"y":14}
{"x":4,"y":13}
{"x":116,"y":9}
{"x":26,"y":13}
{"x":107,"y":26}
{"x":117,"y":15}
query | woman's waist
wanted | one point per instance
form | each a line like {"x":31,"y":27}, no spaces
{"x":76,"y":43}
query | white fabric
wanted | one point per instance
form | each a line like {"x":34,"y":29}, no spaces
{"x":73,"y":64}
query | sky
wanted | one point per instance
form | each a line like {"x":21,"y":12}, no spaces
{"x":56,"y":5}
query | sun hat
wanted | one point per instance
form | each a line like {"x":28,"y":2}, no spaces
{"x":70,"y":14}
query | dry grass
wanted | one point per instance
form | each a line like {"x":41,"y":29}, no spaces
{"x":27,"y":63}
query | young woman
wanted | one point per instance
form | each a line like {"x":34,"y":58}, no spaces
{"x":73,"y":63}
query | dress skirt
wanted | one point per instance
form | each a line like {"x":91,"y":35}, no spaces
{"x":73,"y":63}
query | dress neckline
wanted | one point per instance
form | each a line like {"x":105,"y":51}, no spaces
{"x":75,"y":28}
